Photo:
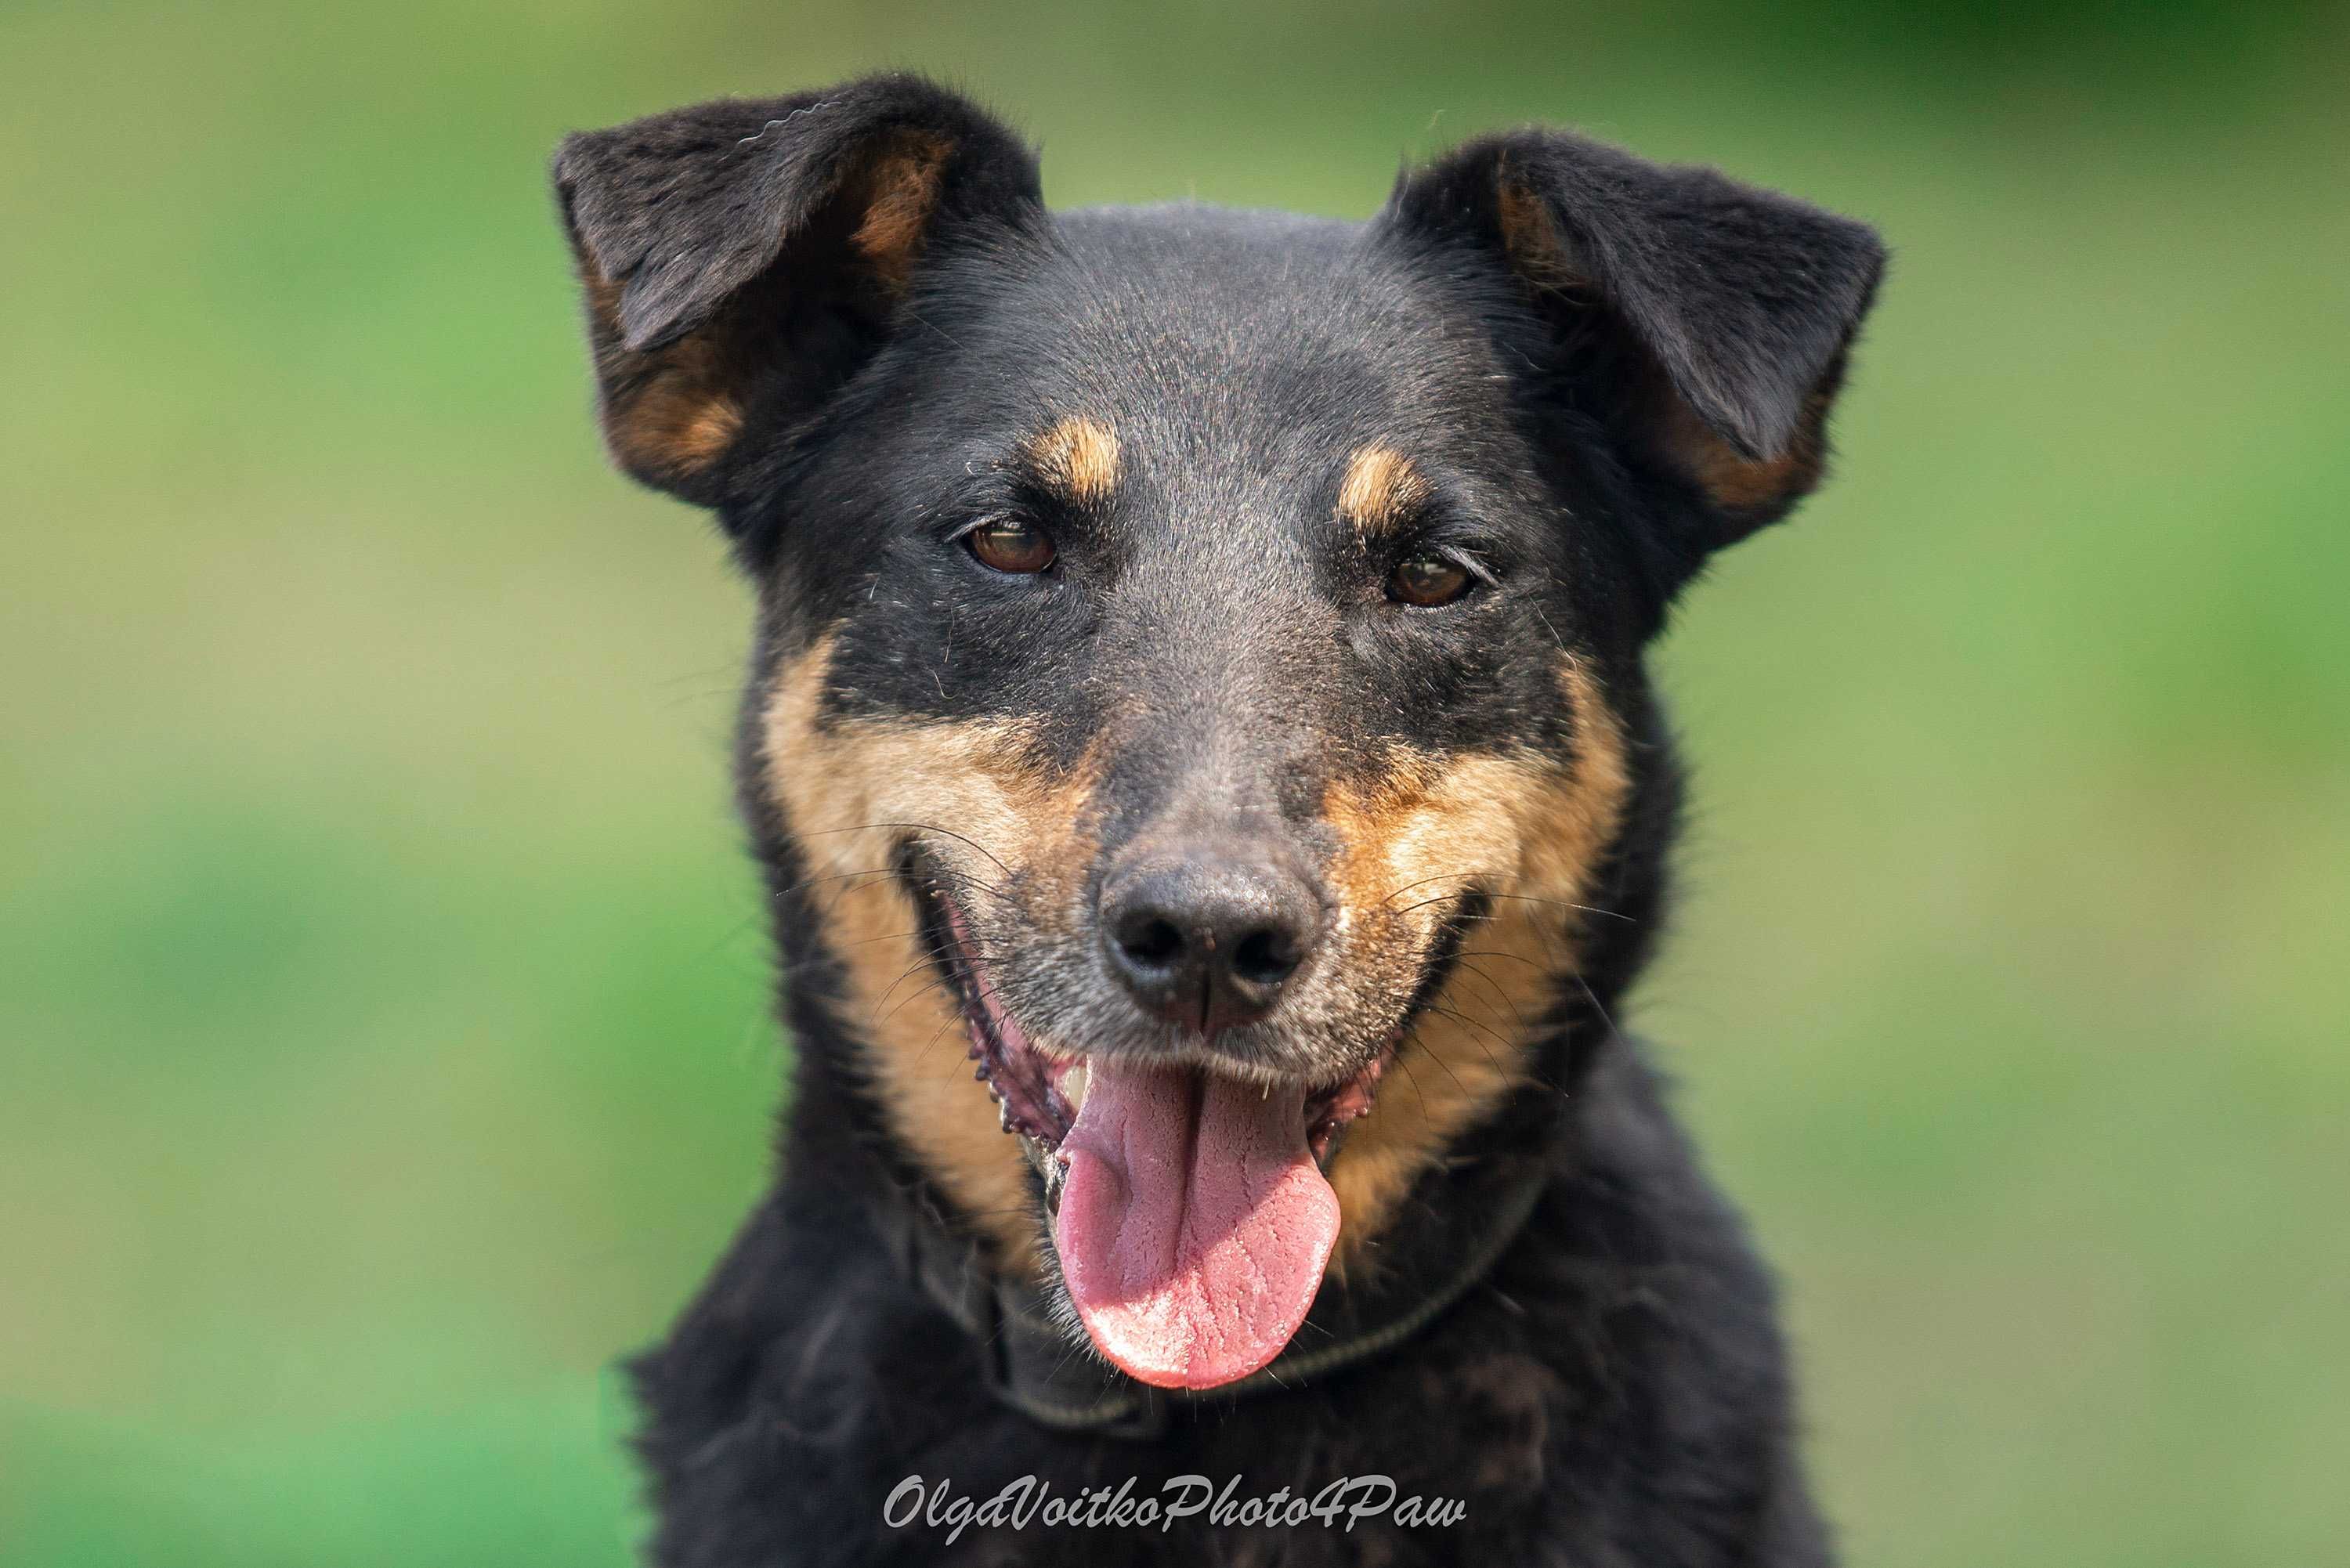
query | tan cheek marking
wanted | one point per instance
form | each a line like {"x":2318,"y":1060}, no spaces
{"x":1079,"y":457}
{"x":835,"y":783}
{"x":1520,"y":826}
{"x":1516,"y":824}
{"x":1575,"y":822}
{"x":1380,"y":490}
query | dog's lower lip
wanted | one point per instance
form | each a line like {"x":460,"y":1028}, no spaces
{"x":1039,"y":1094}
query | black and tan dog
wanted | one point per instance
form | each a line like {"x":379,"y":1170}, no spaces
{"x":1199,"y":680}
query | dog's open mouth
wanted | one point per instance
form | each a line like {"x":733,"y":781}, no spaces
{"x":1189,"y":1209}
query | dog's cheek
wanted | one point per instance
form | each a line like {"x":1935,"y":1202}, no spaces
{"x":849,"y":791}
{"x":1570,"y":827}
{"x":1413,"y":841}
{"x":1528,"y":829}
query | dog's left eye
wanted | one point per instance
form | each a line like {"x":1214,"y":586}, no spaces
{"x":1008,"y":545}
{"x":1427,"y":579}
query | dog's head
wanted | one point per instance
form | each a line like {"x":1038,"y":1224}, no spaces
{"x":1199,"y":673}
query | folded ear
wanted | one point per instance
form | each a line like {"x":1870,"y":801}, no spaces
{"x":1708,"y":319}
{"x":741,"y":259}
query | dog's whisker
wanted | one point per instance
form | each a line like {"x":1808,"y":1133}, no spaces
{"x":1600,"y":1007}
{"x":920,"y":828}
{"x":1499,"y":1071}
{"x":1402,"y":1060}
{"x":1536,"y":964}
{"x":930,"y":981}
{"x":1424,"y":881}
{"x":806,"y":883}
{"x":1501,"y":992}
{"x":1567,"y":904}
{"x":922,"y":1053}
{"x":1442,"y":1012}
{"x":1484,"y":1030}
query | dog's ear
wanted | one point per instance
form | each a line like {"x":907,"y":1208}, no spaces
{"x":1705,"y":321}
{"x":741,"y":259}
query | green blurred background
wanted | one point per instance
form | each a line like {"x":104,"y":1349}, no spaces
{"x":383,"y":1041}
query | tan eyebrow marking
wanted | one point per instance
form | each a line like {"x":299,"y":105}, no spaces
{"x":1078,"y":456}
{"x":1381,"y":490}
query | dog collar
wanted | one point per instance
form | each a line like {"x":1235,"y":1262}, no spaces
{"x":1029,"y":1364}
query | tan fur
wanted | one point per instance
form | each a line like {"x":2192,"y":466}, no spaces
{"x":1078,"y":457}
{"x":667,"y":415}
{"x":843,"y":786}
{"x":899,"y":185}
{"x":1738,"y":482}
{"x":1533,"y":240}
{"x":1522,"y":825}
{"x":1380,"y":490}
{"x":671,"y":413}
{"x":1525,"y":829}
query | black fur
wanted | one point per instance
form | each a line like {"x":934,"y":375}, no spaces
{"x":1614,"y":1393}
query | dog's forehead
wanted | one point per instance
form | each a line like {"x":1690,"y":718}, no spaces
{"x":1209,"y":343}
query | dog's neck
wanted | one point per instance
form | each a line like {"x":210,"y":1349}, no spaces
{"x":1025,"y":1346}
{"x":1463,"y":1219}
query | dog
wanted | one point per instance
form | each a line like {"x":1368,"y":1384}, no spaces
{"x":1200,"y":751}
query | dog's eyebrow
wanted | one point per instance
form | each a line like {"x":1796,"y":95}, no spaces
{"x":1380,"y":490}
{"x":1077,"y":456}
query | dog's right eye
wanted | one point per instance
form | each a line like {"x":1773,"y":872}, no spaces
{"x":1429,"y":580}
{"x":1009,"y":545}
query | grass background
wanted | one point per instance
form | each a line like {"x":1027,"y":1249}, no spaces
{"x":382,"y":1031}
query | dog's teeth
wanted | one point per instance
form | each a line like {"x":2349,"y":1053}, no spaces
{"x":1073,"y":1087}
{"x":1004,"y":1115}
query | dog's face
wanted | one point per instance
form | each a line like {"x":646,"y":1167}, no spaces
{"x":1200,"y":666}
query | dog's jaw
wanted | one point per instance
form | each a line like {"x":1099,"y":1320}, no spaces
{"x":1189,"y":1207}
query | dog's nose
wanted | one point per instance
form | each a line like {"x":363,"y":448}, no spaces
{"x":1207,"y":940}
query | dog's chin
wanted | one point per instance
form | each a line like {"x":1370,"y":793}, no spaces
{"x":1188,"y":1200}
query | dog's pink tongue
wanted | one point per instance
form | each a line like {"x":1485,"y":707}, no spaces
{"x":1194,"y":1224}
